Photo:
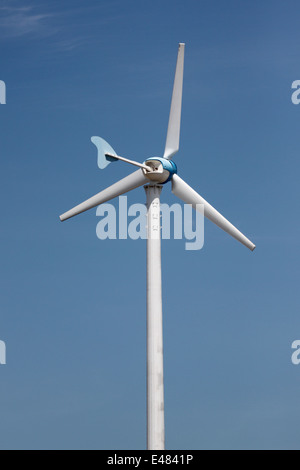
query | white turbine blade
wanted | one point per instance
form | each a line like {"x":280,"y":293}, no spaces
{"x":132,"y":181}
{"x":172,"y":143}
{"x":187,"y":194}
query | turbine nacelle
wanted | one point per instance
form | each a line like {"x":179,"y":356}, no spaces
{"x":160,"y":170}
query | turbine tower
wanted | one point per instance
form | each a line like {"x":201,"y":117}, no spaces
{"x":153,"y":174}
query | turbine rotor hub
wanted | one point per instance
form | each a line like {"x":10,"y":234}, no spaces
{"x":161,"y":169}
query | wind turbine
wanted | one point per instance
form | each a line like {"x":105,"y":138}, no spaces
{"x":153,"y":173}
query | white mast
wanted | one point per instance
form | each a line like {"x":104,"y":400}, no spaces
{"x":155,"y":374}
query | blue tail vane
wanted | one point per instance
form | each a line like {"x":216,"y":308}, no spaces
{"x":103,"y":148}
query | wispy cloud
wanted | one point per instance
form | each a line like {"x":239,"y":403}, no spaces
{"x":68,"y":28}
{"x":16,"y":21}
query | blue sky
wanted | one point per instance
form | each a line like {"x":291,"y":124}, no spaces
{"x":72,"y":307}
